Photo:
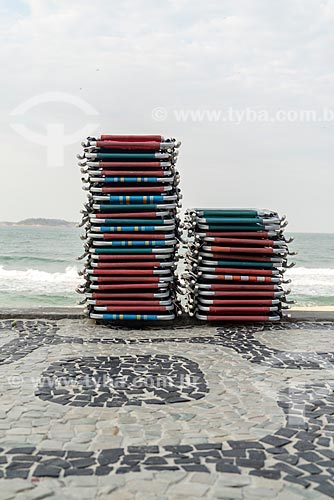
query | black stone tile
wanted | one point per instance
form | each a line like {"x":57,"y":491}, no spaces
{"x":46,"y":471}
{"x":208,"y":446}
{"x":155,"y":461}
{"x":175,"y":455}
{"x":323,"y":441}
{"x":277,"y":451}
{"x":310,"y":456}
{"x":23,"y":458}
{"x":28,"y":450}
{"x":266,"y":473}
{"x":78,"y":472}
{"x":288,"y":433}
{"x":181,"y":448}
{"x":314,"y":421}
{"x":235,"y":452}
{"x":256,"y":455}
{"x":133,"y":457}
{"x":197,"y":395}
{"x":319,"y":478}
{"x":289,"y":459}
{"x":326,"y":488}
{"x":143,"y":449}
{"x":110,"y":456}
{"x":327,"y":453}
{"x":304,"y":445}
{"x":189,"y":460}
{"x":17,"y":473}
{"x":275,"y":441}
{"x":58,"y":392}
{"x":103,"y":470}
{"x":19,"y":465}
{"x":326,"y":463}
{"x":297,"y":480}
{"x":127,"y":469}
{"x":224,"y":467}
{"x":245,"y":444}
{"x":79,"y":454}
{"x":162,"y":467}
{"x":53,"y":453}
{"x":308,"y":436}
{"x":177,"y":400}
{"x":248,"y":462}
{"x":56,"y":462}
{"x":207,"y":453}
{"x":288,"y":469}
{"x":310,"y":468}
{"x":195,"y":468}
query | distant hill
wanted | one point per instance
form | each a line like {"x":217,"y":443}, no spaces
{"x":39,"y":222}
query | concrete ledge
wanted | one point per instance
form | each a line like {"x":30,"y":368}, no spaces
{"x":43,"y":313}
{"x":311,"y":315}
{"x":77,"y":313}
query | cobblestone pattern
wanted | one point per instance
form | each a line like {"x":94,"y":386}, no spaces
{"x":242,"y":340}
{"x":300,"y":453}
{"x":106,"y":381}
{"x":30,"y":333}
{"x":239,"y":338}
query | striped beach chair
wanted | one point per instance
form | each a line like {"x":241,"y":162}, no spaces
{"x":235,"y":264}
{"x":131,"y":227}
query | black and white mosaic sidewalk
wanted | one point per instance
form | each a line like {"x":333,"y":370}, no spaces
{"x":226,"y":412}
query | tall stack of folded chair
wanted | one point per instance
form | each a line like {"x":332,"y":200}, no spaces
{"x":235,"y":264}
{"x":131,"y":227}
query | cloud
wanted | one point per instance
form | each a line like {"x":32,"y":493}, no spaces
{"x":126,"y":58}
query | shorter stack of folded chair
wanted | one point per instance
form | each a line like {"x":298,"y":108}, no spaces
{"x":235,"y":264}
{"x":131,"y":227}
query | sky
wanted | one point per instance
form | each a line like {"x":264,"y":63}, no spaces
{"x":247,"y":86}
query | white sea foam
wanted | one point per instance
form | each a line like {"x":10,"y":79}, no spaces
{"x":33,"y":281}
{"x":311,"y":281}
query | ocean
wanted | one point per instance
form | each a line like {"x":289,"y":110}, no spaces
{"x":38,"y":267}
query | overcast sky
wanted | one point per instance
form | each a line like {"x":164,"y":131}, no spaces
{"x":132,"y":66}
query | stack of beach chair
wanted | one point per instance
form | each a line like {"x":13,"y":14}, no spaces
{"x":131,"y":227}
{"x":235,"y":263}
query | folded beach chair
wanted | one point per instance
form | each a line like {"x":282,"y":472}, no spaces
{"x":131,"y":227}
{"x":235,"y":264}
